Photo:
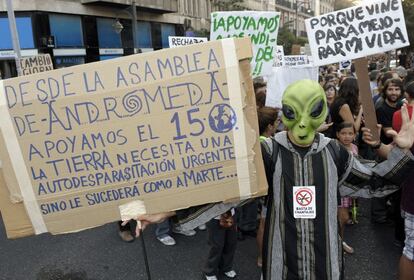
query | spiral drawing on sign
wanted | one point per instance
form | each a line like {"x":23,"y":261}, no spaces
{"x":132,"y":102}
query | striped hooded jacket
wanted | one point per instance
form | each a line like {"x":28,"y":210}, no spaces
{"x":309,"y":249}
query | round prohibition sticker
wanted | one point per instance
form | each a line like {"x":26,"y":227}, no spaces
{"x":304,"y":206}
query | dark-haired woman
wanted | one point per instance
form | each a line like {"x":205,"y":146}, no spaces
{"x":346,"y":107}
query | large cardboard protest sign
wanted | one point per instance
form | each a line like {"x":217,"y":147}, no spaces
{"x":261,"y":27}
{"x":36,"y":64}
{"x":370,"y":28}
{"x":168,"y":129}
{"x":179,"y":41}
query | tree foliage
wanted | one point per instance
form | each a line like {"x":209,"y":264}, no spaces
{"x":286,"y":38}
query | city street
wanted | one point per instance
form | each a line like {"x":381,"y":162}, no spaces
{"x":114,"y":108}
{"x":98,"y":254}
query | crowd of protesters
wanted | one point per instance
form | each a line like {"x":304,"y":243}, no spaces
{"x":390,"y":88}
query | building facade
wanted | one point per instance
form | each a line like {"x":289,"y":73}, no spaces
{"x":326,"y":6}
{"x":294,"y":12}
{"x":80,"y":31}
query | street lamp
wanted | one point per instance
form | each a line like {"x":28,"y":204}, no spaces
{"x":117,"y":25}
{"x":298,"y":4}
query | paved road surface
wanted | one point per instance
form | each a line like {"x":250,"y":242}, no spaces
{"x":98,"y":254}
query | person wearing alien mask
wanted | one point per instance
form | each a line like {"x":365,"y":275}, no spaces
{"x":309,"y":175}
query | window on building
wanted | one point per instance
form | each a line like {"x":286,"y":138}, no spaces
{"x":67,"y":30}
{"x":25,"y":30}
{"x":166,"y":30}
{"x":144,"y":38}
{"x":107,"y":36}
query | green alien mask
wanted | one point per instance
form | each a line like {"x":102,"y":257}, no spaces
{"x":304,"y":110}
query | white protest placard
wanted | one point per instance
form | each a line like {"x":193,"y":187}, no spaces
{"x":282,"y":77}
{"x":297,"y":61}
{"x":346,"y":64}
{"x":357,"y":32}
{"x":280,"y":57}
{"x":261,"y":27}
{"x":178,"y":41}
{"x":36,"y":64}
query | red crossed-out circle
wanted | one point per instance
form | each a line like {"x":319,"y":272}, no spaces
{"x":304,"y":197}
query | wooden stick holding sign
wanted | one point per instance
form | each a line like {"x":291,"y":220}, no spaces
{"x":365,"y":96}
{"x":144,"y":252}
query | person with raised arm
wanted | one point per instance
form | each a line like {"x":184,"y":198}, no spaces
{"x":310,"y":174}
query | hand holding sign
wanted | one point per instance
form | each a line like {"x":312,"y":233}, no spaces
{"x":405,"y":138}
{"x":144,"y":220}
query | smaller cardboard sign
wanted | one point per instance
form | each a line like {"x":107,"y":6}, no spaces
{"x":36,"y":64}
{"x":280,"y":57}
{"x":297,"y":61}
{"x":374,"y":27}
{"x":178,"y":41}
{"x":304,"y":206}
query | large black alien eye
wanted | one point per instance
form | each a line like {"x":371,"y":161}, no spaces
{"x":288,"y":112}
{"x":317,"y":109}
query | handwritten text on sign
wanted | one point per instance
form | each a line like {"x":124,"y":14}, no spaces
{"x":178,"y":41}
{"x":125,"y":130}
{"x":261,"y":27}
{"x":357,"y":32}
{"x":297,"y":61}
{"x":36,"y":64}
{"x":280,"y":57}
